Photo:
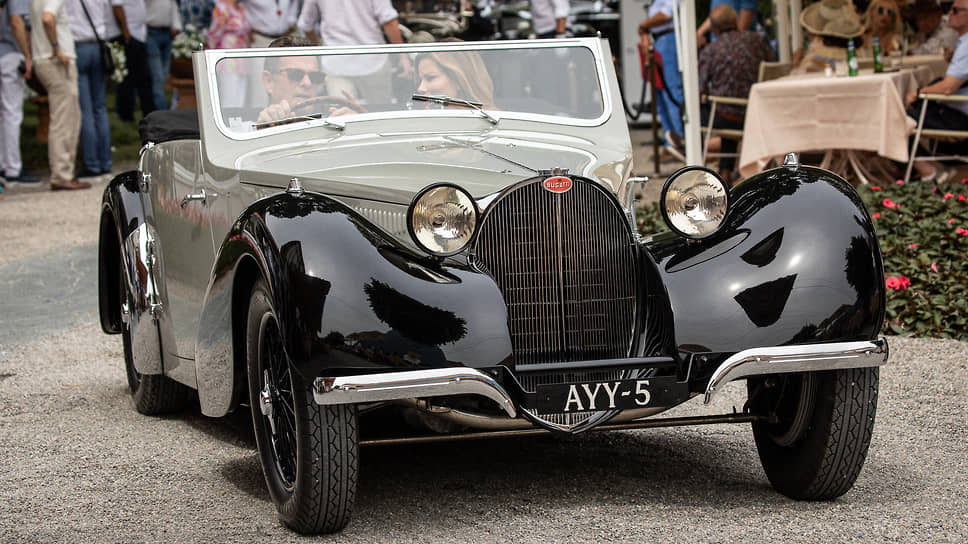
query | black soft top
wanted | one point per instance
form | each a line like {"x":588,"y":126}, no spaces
{"x":165,"y":125}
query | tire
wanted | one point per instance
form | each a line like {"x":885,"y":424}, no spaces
{"x":817,"y":445}
{"x":309,"y":453}
{"x":153,"y":394}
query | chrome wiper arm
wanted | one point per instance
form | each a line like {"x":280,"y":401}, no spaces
{"x":445,"y":100}
{"x":311,"y":117}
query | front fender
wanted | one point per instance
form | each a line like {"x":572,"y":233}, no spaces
{"x":121,"y":213}
{"x":349,"y":299}
{"x":796,"y":262}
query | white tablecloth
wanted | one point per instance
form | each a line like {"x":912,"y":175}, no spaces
{"x":817,"y":112}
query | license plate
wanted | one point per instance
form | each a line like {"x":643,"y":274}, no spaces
{"x":608,"y":395}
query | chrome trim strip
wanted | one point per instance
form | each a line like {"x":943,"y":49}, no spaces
{"x":409,"y":384}
{"x":802,"y":358}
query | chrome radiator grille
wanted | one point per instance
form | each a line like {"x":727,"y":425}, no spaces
{"x":565,"y":264}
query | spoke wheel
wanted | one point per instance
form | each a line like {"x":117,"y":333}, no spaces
{"x":816,"y":442}
{"x":308,"y":452}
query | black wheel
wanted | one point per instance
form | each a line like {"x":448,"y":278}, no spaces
{"x":816,"y":446}
{"x":308,"y":452}
{"x":153,"y":394}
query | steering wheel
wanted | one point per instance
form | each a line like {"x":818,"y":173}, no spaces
{"x":323,"y":103}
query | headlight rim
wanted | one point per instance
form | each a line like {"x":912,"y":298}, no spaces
{"x":665,"y":189}
{"x":413,"y":205}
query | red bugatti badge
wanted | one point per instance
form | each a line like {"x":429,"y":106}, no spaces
{"x":557,"y":184}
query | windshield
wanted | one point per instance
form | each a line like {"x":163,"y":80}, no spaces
{"x":258,"y":90}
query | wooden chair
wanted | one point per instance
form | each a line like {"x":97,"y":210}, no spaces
{"x":932,"y":137}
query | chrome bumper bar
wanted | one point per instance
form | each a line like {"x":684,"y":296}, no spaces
{"x":436,"y":382}
{"x":802,"y":358}
{"x":440,"y":382}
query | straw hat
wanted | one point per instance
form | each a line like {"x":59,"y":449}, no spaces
{"x":836,"y":18}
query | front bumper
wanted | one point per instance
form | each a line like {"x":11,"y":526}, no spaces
{"x":468,"y":381}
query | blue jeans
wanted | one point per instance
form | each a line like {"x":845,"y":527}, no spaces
{"x":95,"y":131}
{"x":158,"y":45}
{"x":669,"y":114}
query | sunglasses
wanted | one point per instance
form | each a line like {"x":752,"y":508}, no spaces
{"x":881,"y":10}
{"x":956,"y":9}
{"x":296,"y":75}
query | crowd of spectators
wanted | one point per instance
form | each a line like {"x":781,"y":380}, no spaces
{"x":62,"y":51}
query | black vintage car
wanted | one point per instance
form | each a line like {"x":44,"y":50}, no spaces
{"x":466,"y":251}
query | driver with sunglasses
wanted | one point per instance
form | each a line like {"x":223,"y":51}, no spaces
{"x":288,"y":81}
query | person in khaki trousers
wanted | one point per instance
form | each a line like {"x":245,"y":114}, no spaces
{"x":52,"y":48}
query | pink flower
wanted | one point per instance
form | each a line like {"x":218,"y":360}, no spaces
{"x":934,"y":190}
{"x":913,"y":246}
{"x":952,"y":220}
{"x":947,"y":196}
{"x":888,"y":203}
{"x":961,"y":197}
{"x":900,"y":182}
{"x":898,"y":283}
{"x":875,"y":188}
{"x":962,"y":231}
{"x":964,"y":180}
{"x":934,"y":267}
{"x":876,"y":215}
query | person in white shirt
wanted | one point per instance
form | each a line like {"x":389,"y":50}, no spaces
{"x":270,"y":20}
{"x":14,"y":53}
{"x":52,"y":51}
{"x":164,"y":22}
{"x":129,"y":17}
{"x":549,"y":18}
{"x":355,"y":22}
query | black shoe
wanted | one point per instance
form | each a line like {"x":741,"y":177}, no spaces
{"x":23,"y":177}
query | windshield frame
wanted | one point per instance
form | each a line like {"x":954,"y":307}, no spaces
{"x":212,"y":56}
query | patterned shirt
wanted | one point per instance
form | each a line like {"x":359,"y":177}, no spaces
{"x":230,"y":30}
{"x":731,"y":65}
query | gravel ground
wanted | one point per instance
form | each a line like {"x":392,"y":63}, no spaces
{"x":80,"y":465}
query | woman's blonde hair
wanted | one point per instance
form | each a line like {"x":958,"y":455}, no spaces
{"x":869,"y":14}
{"x":467,"y":70}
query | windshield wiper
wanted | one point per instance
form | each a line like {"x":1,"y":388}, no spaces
{"x":447,"y":100}
{"x":311,"y":117}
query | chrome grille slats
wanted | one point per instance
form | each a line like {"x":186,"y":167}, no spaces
{"x":565,"y":263}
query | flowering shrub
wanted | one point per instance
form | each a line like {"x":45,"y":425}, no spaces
{"x":120,"y":62}
{"x":923,"y":233}
{"x":186,"y":42}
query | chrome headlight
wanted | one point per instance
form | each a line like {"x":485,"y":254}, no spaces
{"x":694,"y":202}
{"x":442,"y":219}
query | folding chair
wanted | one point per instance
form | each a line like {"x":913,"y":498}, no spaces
{"x":935,"y":136}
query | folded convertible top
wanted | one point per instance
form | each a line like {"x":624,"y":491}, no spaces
{"x":165,"y":125}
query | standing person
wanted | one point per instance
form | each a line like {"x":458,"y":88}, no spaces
{"x":130,"y":16}
{"x":550,"y":18}
{"x":52,"y":52}
{"x":746,"y":15}
{"x":355,"y":22}
{"x":164,"y":23}
{"x":87,"y":26}
{"x":658,"y":27}
{"x":728,"y":67}
{"x":14,"y":53}
{"x":230,"y":30}
{"x":270,"y":20}
{"x":953,"y":116}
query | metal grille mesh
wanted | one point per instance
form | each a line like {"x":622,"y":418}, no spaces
{"x":566,"y":266}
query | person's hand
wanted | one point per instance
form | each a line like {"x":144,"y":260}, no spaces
{"x":643,"y":29}
{"x":700,"y":40}
{"x":275,"y":112}
{"x":175,"y":32}
{"x":28,"y":68}
{"x":910,"y":98}
{"x":59,"y":55}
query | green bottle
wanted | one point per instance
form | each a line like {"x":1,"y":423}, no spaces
{"x":878,"y":62}
{"x":851,"y":59}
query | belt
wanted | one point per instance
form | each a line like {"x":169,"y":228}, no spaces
{"x":160,"y":28}
{"x":270,"y":36}
{"x":657,"y":35}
